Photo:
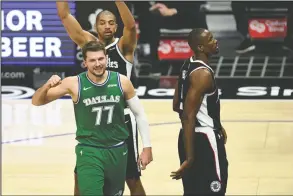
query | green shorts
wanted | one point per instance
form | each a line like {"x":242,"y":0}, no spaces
{"x":101,"y":171}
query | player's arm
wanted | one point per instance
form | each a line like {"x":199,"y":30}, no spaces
{"x":176,"y":99}
{"x":54,"y":89}
{"x":142,"y":122}
{"x":201,"y":82}
{"x":73,"y":28}
{"x":137,"y":109}
{"x":128,"y":40}
{"x":224,"y":134}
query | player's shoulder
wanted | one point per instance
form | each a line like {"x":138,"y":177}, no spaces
{"x":190,"y":64}
{"x":201,"y":76}
{"x":201,"y":67}
{"x":124,"y":81}
{"x":123,"y":77}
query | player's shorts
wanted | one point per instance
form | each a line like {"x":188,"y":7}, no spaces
{"x":209,"y":173}
{"x":101,"y":170}
{"x":133,"y":171}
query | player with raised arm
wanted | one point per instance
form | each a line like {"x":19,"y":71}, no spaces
{"x":100,"y":97}
{"x":120,"y":52}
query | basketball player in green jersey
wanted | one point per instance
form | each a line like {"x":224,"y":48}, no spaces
{"x":99,"y":97}
{"x":120,"y":52}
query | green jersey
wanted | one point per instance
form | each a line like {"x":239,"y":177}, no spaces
{"x":99,"y":111}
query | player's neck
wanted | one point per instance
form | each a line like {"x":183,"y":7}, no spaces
{"x":202,"y":57}
{"x":98,"y":80}
{"x":107,"y":41}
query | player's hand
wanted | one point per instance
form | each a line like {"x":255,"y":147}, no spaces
{"x":225,"y":135}
{"x":157,"y":6}
{"x":163,"y":9}
{"x":145,"y":158}
{"x":180,"y":172}
{"x":55,"y":80}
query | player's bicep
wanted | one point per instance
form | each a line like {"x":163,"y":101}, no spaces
{"x":56,"y":93}
{"x":200,"y":83}
{"x":192,"y":101}
{"x":61,"y":90}
{"x":127,"y":87}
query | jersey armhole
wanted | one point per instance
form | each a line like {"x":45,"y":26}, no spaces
{"x":201,"y":67}
{"x":79,"y":89}
{"x":121,"y":55}
{"x":214,"y":89}
{"x":119,"y":83}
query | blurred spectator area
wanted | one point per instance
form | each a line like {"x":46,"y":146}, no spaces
{"x":221,"y":22}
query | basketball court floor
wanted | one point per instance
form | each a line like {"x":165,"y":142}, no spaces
{"x":38,"y":148}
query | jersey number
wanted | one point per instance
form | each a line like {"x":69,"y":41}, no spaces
{"x":99,"y":110}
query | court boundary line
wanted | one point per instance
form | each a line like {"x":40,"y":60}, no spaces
{"x":152,"y":125}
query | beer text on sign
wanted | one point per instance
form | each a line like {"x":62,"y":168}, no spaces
{"x":31,"y":20}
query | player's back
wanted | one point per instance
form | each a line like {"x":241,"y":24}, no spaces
{"x":99,"y":112}
{"x":116,"y":61}
{"x":209,"y":111}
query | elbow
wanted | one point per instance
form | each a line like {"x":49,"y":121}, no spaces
{"x":175,"y":109}
{"x":63,"y":16}
{"x":131,"y":26}
{"x":175,"y":106}
{"x":188,"y":118}
{"x":37,"y":102}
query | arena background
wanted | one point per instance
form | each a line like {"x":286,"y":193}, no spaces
{"x":35,"y":46}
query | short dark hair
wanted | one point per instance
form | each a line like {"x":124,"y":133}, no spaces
{"x":93,"y":46}
{"x":194,"y":38}
{"x":105,"y":12}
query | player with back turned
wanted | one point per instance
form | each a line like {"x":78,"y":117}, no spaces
{"x":120,"y":53}
{"x":201,"y":142}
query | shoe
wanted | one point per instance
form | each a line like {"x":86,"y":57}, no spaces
{"x":245,"y":46}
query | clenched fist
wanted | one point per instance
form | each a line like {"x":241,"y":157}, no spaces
{"x":55,"y":80}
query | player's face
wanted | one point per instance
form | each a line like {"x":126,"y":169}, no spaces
{"x":96,"y":63}
{"x":106,"y":26}
{"x":210,"y":43}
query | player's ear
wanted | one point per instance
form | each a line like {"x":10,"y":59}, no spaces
{"x":96,"y":25}
{"x":116,"y":26}
{"x":84,"y":63}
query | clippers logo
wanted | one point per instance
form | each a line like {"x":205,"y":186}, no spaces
{"x":215,"y":186}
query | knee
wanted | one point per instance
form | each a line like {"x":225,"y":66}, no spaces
{"x":135,"y":186}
